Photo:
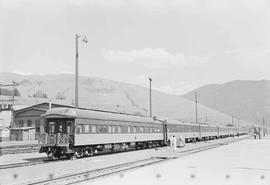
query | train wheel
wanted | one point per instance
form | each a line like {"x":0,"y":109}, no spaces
{"x":51,"y":156}
{"x":78,"y":154}
{"x":73,"y":157}
{"x":91,"y":152}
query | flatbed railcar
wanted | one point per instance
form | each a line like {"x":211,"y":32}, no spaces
{"x":77,"y":132}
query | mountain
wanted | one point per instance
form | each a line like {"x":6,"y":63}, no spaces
{"x":109,"y":95}
{"x":248,"y":100}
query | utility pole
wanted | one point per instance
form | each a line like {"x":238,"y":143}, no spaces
{"x":196,"y":113}
{"x":12,"y":106}
{"x":263,"y":128}
{"x":77,"y":68}
{"x":150,"y":96}
{"x":266,"y":127}
{"x":232,"y":121}
{"x":238,"y":127}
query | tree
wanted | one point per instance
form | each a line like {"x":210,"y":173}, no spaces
{"x":8,"y":92}
{"x":40,"y":94}
{"x":60,"y":96}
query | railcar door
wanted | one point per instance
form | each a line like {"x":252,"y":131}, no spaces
{"x":65,"y":131}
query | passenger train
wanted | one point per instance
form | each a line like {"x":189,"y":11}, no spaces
{"x":75,"y":133}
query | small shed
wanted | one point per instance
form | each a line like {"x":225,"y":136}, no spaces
{"x":22,"y":134}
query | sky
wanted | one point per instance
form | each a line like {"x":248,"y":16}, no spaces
{"x":180,"y":44}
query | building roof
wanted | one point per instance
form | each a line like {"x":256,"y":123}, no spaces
{"x":39,"y":107}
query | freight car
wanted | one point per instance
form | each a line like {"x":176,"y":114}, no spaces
{"x":76,"y":133}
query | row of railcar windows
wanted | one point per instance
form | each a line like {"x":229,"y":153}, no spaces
{"x":189,"y":128}
{"x":84,"y":128}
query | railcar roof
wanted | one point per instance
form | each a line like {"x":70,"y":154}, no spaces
{"x":91,"y":114}
{"x":177,"y":122}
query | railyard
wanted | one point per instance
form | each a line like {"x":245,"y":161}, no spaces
{"x":134,"y":92}
{"x":33,"y":168}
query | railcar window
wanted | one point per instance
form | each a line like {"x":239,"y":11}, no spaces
{"x":128,"y":129}
{"x":60,"y":128}
{"x":118,"y":129}
{"x":113,"y":129}
{"x":51,"y":127}
{"x":93,"y":128}
{"x":68,"y":129}
{"x":79,"y":129}
{"x":109,"y":129}
{"x":103,"y":129}
{"x":87,"y":128}
{"x":141,"y":129}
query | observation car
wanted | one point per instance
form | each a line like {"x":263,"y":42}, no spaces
{"x":76,"y":133}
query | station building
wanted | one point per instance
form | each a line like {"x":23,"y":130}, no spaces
{"x":28,"y":125}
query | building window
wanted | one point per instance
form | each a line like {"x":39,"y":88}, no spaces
{"x":29,"y":123}
{"x":37,"y":124}
{"x":21,"y":122}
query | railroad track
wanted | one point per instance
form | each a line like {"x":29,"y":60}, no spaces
{"x":19,"y":149}
{"x":24,"y":164}
{"x":85,"y":176}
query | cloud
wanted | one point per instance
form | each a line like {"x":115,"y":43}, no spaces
{"x":21,"y":72}
{"x":153,"y":58}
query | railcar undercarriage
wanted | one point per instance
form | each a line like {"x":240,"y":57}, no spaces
{"x":73,"y":152}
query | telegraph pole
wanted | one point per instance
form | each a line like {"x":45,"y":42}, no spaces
{"x":232,"y":121}
{"x":77,"y":68}
{"x":76,"y":71}
{"x":150,"y":96}
{"x":196,"y":113}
